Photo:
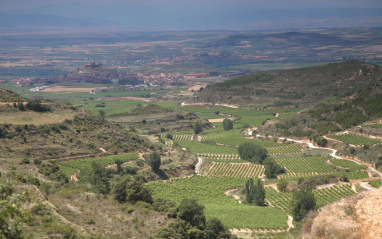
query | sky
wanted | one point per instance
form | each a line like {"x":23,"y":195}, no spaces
{"x":16,"y":5}
{"x":207,"y":14}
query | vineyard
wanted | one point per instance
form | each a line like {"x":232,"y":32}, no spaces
{"x":284,"y":149}
{"x":374,"y":126}
{"x":233,"y":158}
{"x":256,"y":120}
{"x":352,"y":166}
{"x":241,"y":170}
{"x":331,"y":194}
{"x":200,"y":147}
{"x":224,"y":134}
{"x":306,"y":165}
{"x":179,"y":137}
{"x":354,"y":139}
{"x":69,"y":167}
{"x":236,"y":141}
{"x":298,"y":167}
{"x":209,"y":191}
{"x":323,"y":196}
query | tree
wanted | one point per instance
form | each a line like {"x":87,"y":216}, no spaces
{"x":282,"y":185}
{"x":132,"y":190}
{"x":12,"y":214}
{"x":198,"y":127}
{"x":255,"y":193}
{"x":303,"y":201}
{"x":154,"y":161}
{"x":98,"y":176}
{"x":215,"y":229}
{"x":174,"y":230}
{"x":252,"y":152}
{"x":192,"y":212}
{"x":259,"y":194}
{"x":102,"y":113}
{"x":322,"y":142}
{"x":119,"y":162}
{"x":227,"y":124}
{"x":36,"y":105}
{"x":272,"y":169}
{"x":20,"y":105}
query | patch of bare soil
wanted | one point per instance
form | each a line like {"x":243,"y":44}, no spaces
{"x":64,"y":89}
{"x":219,"y":120}
{"x":126,"y":98}
{"x":196,"y":87}
{"x":73,"y":177}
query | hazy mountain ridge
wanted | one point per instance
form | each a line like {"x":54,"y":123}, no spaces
{"x":181,"y":17}
{"x":8,"y":20}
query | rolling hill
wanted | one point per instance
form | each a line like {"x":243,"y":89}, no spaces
{"x":294,"y":87}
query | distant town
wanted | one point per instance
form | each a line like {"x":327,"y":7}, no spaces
{"x":97,"y":73}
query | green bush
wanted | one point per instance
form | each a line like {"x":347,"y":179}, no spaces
{"x":25,"y":161}
{"x":375,"y":183}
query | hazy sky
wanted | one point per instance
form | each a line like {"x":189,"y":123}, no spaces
{"x":206,"y":14}
{"x":14,"y":5}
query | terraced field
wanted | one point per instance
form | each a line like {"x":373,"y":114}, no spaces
{"x":354,"y":139}
{"x":233,"y":158}
{"x":323,"y":196}
{"x":209,"y":191}
{"x":304,"y":166}
{"x":70,"y":167}
{"x":240,"y":170}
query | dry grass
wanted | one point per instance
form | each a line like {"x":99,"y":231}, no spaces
{"x":36,"y":118}
{"x":358,"y":217}
{"x":111,"y":219}
{"x":369,"y":214}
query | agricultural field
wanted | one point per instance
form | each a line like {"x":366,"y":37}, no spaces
{"x":375,"y":183}
{"x":352,"y":166}
{"x":211,"y":136}
{"x":374,"y":126}
{"x":216,"y":157}
{"x":284,"y":149}
{"x":329,"y":195}
{"x":323,"y":196}
{"x":69,"y":167}
{"x":305,"y":165}
{"x":180,"y":137}
{"x":201,"y":147}
{"x":354,"y":139}
{"x":297,"y":167}
{"x":240,"y":170}
{"x":236,"y":141}
{"x":209,"y":191}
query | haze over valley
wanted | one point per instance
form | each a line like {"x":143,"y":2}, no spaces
{"x":168,"y":119}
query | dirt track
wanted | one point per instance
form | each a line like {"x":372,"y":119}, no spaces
{"x":64,"y":89}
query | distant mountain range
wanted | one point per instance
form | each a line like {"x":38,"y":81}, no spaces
{"x":45,"y":20}
{"x":178,"y":18}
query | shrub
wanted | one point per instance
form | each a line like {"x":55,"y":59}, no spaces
{"x":25,"y":161}
{"x":252,"y":152}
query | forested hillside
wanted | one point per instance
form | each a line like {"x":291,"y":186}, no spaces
{"x":295,"y":87}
